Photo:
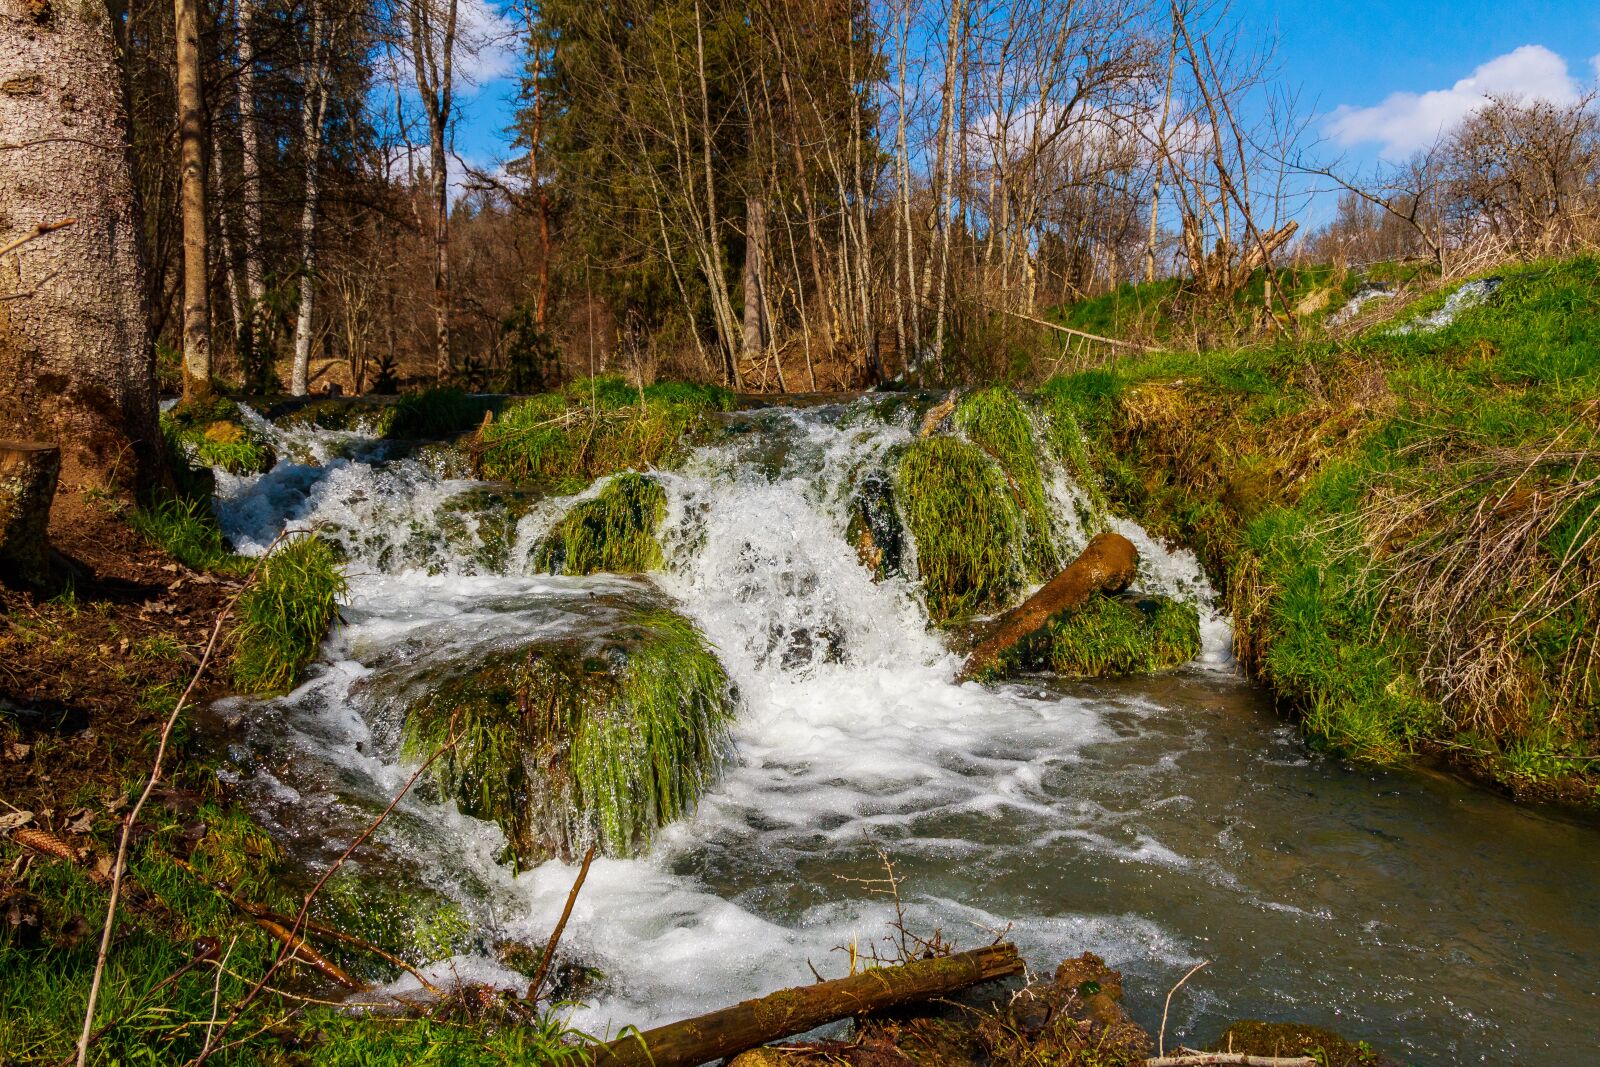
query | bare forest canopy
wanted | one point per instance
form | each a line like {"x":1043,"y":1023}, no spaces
{"x":780,"y":195}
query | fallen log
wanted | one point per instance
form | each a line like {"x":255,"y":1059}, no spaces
{"x":1107,"y":565}
{"x":794,"y":1011}
{"x":28,"y":473}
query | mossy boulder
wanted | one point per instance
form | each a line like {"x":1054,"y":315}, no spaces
{"x":403,"y":918}
{"x":566,"y":439}
{"x":601,"y":738}
{"x":1110,"y":636}
{"x":214,"y":433}
{"x":1255,"y":1038}
{"x":967,"y":527}
{"x":997,"y":421}
{"x":614,"y":532}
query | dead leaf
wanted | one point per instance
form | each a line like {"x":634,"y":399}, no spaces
{"x":16,"y":751}
{"x":118,"y":803}
{"x":81,"y":825}
{"x":11,"y":820}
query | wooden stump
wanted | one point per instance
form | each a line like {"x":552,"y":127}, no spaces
{"x":1108,"y":565}
{"x":28,"y":472}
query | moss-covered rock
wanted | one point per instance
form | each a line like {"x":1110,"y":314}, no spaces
{"x":960,"y":510}
{"x":214,"y":433}
{"x":614,"y":532}
{"x":997,"y":421}
{"x":413,"y":923}
{"x":439,"y":413}
{"x":1255,"y":1038}
{"x":602,"y":738}
{"x":566,"y":439}
{"x":874,"y":528}
{"x":1110,"y":636}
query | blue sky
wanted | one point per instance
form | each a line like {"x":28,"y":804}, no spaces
{"x":1381,"y":76}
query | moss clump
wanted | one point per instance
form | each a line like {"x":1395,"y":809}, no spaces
{"x":415,"y":924}
{"x":966,"y":523}
{"x":615,"y":532}
{"x":1255,"y":1038}
{"x":999,"y":423}
{"x":566,"y":439}
{"x":284,"y":614}
{"x":1111,"y":636}
{"x":438,"y":413}
{"x":561,"y":742}
{"x":214,"y":433}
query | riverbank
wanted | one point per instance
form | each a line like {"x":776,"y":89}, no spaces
{"x":1405,"y":520}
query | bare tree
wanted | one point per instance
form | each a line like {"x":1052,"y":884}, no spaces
{"x":192,"y":142}
{"x":432,"y":40}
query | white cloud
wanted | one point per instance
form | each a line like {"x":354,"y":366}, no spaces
{"x":489,"y":44}
{"x":1594,"y":61}
{"x":1405,"y":122}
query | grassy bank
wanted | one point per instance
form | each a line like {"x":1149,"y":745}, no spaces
{"x":1407,"y":524}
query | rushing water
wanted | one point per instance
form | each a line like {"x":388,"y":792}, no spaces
{"x":1158,"y":822}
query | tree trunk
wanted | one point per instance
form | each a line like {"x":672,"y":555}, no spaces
{"x":250,"y":179}
{"x":28,"y":473}
{"x":191,"y":147}
{"x":1107,"y":565}
{"x":794,"y":1011}
{"x":755,"y":245}
{"x":441,"y":249}
{"x":312,"y":107}
{"x":76,"y":364}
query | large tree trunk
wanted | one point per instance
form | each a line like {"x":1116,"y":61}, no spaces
{"x":250,"y":177}
{"x":313,"y":106}
{"x":192,"y":152}
{"x":76,"y":363}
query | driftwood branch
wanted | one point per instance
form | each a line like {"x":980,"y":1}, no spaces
{"x":1085,"y":334}
{"x":1185,"y":1058}
{"x":561,"y":924}
{"x":794,"y":1011}
{"x":35,"y":233}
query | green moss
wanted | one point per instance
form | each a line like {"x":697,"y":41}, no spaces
{"x":606,"y":738}
{"x":960,"y":510}
{"x":213,"y":433}
{"x":1111,"y":636}
{"x":997,"y":421}
{"x":340,"y":413}
{"x":284,"y":614}
{"x":412,"y":923}
{"x":615,"y":532}
{"x":439,"y":413}
{"x":564,"y":440}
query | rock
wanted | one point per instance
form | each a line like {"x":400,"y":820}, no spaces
{"x":1108,"y":565}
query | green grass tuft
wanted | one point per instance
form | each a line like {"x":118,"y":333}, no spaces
{"x":438,"y":413}
{"x":564,"y":440}
{"x":1111,"y":636}
{"x":615,"y":532}
{"x":960,"y":510}
{"x":998,"y":422}
{"x":186,"y":530}
{"x":563,"y":742}
{"x":285,"y":613}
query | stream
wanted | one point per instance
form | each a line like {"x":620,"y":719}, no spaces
{"x":1156,"y":821}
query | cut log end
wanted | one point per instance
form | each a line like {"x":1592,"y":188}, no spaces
{"x":28,"y":474}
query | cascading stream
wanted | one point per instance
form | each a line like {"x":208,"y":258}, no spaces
{"x":1155,"y":821}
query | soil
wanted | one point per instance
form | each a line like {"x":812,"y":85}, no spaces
{"x":89,"y":670}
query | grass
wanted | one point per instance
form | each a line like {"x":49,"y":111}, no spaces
{"x":186,"y":530}
{"x":438,"y":413}
{"x":1407,"y":526}
{"x":614,"y":532}
{"x":563,"y":742}
{"x":566,"y":439}
{"x":998,"y":422}
{"x":285,"y":613}
{"x":213,"y":434}
{"x":958,"y":506}
{"x":1111,"y":636}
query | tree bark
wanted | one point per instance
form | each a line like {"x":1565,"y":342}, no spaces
{"x":28,"y":473}
{"x":433,"y":65}
{"x":755,"y":250}
{"x":76,"y":363}
{"x":250,"y":177}
{"x":1107,"y":565}
{"x":313,"y":106}
{"x":794,"y":1011}
{"x":192,"y":155}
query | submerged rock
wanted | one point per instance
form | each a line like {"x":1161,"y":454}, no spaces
{"x":874,"y":529}
{"x":614,"y":532}
{"x":601,"y":738}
